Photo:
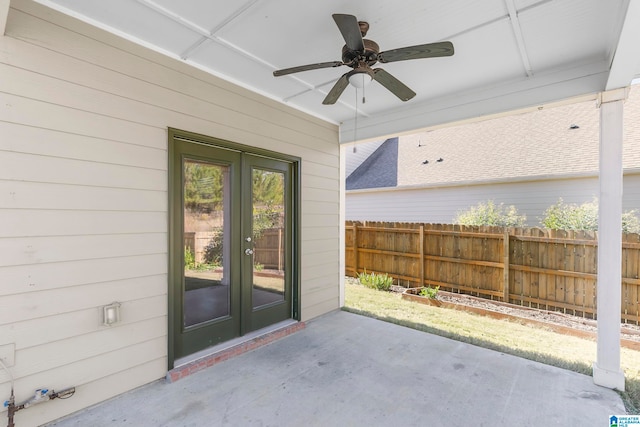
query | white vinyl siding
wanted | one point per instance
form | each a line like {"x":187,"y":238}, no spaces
{"x":83,"y":200}
{"x":439,"y":205}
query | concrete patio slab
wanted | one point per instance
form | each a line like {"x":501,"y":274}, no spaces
{"x":349,"y":370}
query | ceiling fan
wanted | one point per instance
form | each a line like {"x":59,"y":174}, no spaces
{"x":360,"y":54}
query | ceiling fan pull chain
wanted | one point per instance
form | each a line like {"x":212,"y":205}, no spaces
{"x":355,"y":129}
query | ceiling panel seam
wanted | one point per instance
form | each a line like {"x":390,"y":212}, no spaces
{"x":211,"y":35}
{"x":476,"y":27}
{"x":494,"y":20}
{"x":173,"y":16}
{"x":206,"y":34}
{"x":534,"y":5}
{"x":517,"y":32}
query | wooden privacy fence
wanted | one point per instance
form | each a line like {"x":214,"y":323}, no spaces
{"x":197,"y":242}
{"x":268,"y":247}
{"x":547,"y":269}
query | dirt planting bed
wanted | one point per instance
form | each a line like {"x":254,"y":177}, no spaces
{"x":559,"y":322}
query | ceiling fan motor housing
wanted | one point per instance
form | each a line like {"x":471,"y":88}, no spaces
{"x":369,"y":56}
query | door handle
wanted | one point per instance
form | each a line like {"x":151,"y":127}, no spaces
{"x":248,"y":251}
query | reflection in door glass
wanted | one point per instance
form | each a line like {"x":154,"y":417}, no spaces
{"x":206,"y":232}
{"x":268,"y":195}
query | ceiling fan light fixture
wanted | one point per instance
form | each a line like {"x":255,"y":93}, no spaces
{"x":359,"y":78}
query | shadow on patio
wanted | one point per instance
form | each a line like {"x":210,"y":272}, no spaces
{"x":346,"y":369}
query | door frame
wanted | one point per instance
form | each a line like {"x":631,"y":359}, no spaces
{"x":175,"y":239}
{"x":267,"y":315}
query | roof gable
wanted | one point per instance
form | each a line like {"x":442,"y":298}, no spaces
{"x":380,"y":169}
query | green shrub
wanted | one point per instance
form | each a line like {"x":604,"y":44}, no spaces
{"x":189,"y":259}
{"x":213,"y":250}
{"x":429,"y":292}
{"x":630,"y":222}
{"x":381,"y":282}
{"x":569,"y":216}
{"x":491,"y":214}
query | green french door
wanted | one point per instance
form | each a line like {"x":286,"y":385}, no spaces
{"x":231,"y":244}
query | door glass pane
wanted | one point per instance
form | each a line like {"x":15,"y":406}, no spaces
{"x":206,"y":242}
{"x":268,"y":195}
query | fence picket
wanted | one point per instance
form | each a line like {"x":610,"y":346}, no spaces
{"x":505,"y":262}
{"x":631,"y":255}
{"x":421,"y":243}
{"x":549,"y":269}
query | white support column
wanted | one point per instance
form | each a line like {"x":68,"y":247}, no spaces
{"x":606,"y":369}
{"x":343,"y":185}
{"x":4,"y":14}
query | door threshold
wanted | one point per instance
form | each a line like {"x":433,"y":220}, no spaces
{"x":210,"y":356}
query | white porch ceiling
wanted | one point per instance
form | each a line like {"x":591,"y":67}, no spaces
{"x":509,"y":54}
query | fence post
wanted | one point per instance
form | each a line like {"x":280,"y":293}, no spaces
{"x":506,"y":262}
{"x":355,"y":249}
{"x":421,"y":255}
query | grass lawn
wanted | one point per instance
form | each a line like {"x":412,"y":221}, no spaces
{"x":537,"y":344}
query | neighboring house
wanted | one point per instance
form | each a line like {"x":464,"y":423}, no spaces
{"x":528,"y":160}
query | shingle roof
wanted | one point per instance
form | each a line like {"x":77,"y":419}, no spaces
{"x":540,"y":143}
{"x":380,"y":169}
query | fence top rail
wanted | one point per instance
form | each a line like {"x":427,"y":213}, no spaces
{"x":389,"y":230}
{"x":417,"y":231}
{"x":583,"y":242}
{"x":387,"y":252}
{"x":465,"y":234}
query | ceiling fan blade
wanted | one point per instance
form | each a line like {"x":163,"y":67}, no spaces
{"x":348,"y":26}
{"x":317,"y":66}
{"x":431,"y":50}
{"x":394,"y":85}
{"x":336,"y":90}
